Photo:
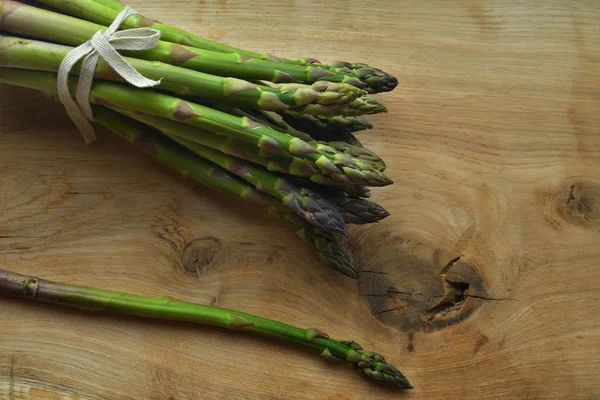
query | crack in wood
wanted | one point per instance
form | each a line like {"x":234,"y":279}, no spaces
{"x":449,"y":265}
{"x":571,"y":197}
{"x":390,"y":310}
{"x":389,"y":292}
{"x":373,"y":272}
{"x":488,"y":298}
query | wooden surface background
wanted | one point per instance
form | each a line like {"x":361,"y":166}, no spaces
{"x":483,"y":284}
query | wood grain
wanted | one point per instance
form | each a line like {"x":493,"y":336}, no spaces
{"x":483,"y":284}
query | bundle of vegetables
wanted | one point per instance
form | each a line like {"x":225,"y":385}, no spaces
{"x":282,"y":130}
{"x":274,"y":131}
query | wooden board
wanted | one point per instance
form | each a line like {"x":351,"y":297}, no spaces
{"x":483,"y":284}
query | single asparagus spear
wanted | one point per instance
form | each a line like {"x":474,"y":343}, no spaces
{"x":322,"y":97}
{"x":358,"y":74}
{"x":269,"y":141}
{"x":376,"y":80}
{"x":370,"y":364}
{"x":359,"y":153}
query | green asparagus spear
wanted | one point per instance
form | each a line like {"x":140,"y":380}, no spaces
{"x":376,"y":80}
{"x":370,"y":364}
{"x":359,"y":153}
{"x":360,"y":75}
{"x":321,"y":97}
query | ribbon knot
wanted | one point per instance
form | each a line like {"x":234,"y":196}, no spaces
{"x":103,"y":44}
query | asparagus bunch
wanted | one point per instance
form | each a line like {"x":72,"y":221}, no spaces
{"x":289,"y":143}
{"x":370,"y":364}
{"x":330,"y":248}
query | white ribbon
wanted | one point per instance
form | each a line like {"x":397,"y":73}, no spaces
{"x":105,"y":45}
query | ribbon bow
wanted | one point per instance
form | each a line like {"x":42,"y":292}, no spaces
{"x":103,"y":44}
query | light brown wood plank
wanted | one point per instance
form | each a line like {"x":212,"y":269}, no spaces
{"x":493,"y":141}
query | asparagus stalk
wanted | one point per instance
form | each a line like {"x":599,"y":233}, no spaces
{"x":322,"y":98}
{"x":376,"y":80}
{"x":269,"y":141}
{"x":370,"y":364}
{"x":360,"y":75}
{"x":359,"y":153}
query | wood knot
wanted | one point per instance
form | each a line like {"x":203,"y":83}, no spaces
{"x":199,"y":253}
{"x":413,"y":287}
{"x":577,"y":202}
